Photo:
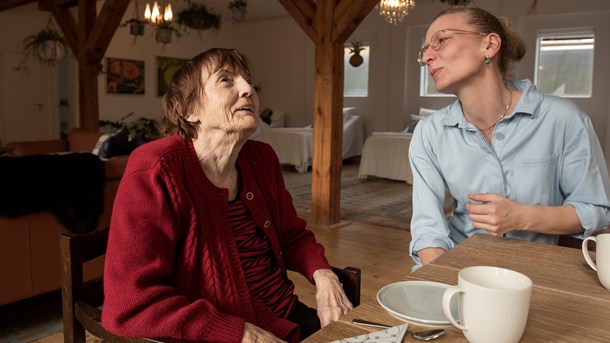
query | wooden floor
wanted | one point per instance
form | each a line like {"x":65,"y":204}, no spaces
{"x":380,"y":252}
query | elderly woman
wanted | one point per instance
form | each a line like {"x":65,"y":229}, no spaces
{"x":203,"y":228}
{"x":517,"y":162}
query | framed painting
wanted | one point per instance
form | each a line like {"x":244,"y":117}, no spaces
{"x":166,"y":68}
{"x":124,"y":76}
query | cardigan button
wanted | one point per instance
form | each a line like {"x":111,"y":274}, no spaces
{"x":249,"y":195}
{"x":281,"y":253}
{"x":267,"y":224}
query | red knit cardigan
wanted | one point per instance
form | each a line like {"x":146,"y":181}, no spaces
{"x":172,"y":267}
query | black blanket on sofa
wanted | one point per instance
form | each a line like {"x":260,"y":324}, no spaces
{"x":71,"y":186}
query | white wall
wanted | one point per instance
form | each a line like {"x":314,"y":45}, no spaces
{"x":282,"y":58}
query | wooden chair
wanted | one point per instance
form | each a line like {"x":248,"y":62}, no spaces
{"x":81,"y":300}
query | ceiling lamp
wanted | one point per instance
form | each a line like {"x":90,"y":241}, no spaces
{"x":395,"y":10}
{"x":154,"y":16}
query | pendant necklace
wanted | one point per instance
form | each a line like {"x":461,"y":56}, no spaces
{"x":487,"y":131}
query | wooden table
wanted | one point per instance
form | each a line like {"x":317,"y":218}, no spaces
{"x":568,"y":302}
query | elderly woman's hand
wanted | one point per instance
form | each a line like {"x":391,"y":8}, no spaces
{"x":254,"y":334}
{"x":331,"y":300}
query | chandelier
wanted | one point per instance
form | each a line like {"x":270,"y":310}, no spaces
{"x":154,"y":16}
{"x":395,"y":10}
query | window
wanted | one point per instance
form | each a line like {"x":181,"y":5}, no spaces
{"x":426,"y":84}
{"x":356,"y":79}
{"x":564,"y":63}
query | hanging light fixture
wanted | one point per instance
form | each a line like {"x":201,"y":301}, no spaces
{"x":154,"y":15}
{"x":395,"y":10}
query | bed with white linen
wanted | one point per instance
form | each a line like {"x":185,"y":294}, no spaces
{"x":386,"y":154}
{"x":294,"y":145}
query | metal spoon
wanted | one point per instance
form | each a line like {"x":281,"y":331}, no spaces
{"x":420,"y":335}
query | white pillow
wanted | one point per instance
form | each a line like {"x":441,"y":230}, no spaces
{"x":425,"y":111}
{"x":347,"y":113}
{"x":100,"y":142}
{"x":277,"y":119}
{"x":414,"y":121}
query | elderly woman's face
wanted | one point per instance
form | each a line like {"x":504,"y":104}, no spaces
{"x":229,"y":103}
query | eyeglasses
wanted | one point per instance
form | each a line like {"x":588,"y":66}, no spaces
{"x":438,"y":40}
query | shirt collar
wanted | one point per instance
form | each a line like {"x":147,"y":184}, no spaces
{"x":528,"y":104}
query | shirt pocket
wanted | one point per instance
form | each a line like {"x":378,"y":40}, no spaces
{"x":537,"y":180}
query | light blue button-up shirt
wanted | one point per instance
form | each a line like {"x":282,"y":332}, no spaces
{"x":545,"y":153}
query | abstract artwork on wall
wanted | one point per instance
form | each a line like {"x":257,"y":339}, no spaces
{"x":166,"y":68}
{"x":124,"y":76}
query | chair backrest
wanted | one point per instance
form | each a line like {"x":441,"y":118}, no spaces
{"x":81,"y":300}
{"x":351,"y":279}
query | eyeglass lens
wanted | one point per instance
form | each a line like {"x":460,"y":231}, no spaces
{"x":436,"y":41}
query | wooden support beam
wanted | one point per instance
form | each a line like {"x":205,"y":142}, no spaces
{"x":88,"y":39}
{"x":328,"y":23}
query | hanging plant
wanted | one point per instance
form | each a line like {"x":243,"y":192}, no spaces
{"x":239,"y":9}
{"x":163,"y":32}
{"x":197,"y":17}
{"x":136,"y":26}
{"x":47,"y":47}
{"x":356,"y":60}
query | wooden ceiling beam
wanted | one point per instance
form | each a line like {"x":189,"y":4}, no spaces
{"x":8,"y":4}
{"x":348,"y":15}
{"x":47,"y":5}
{"x":104,"y":28}
{"x":303,"y":12}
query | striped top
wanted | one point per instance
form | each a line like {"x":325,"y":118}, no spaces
{"x":261,"y":270}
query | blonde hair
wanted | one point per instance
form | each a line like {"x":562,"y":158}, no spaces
{"x":512,"y":48}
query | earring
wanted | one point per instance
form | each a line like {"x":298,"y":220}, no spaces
{"x":487,"y":60}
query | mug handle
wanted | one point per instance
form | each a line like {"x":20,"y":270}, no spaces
{"x":449,"y":293}
{"x":585,"y":251}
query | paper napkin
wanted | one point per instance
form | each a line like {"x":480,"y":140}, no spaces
{"x":389,"y":335}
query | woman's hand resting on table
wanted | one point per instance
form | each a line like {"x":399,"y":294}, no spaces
{"x":495,"y":213}
{"x":499,"y":215}
{"x":254,"y":334}
{"x":331,"y":300}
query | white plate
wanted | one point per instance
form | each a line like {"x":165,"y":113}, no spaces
{"x":417,"y":302}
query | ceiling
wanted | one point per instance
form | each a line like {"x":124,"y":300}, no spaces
{"x":257,"y":9}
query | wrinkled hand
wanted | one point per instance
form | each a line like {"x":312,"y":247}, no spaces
{"x":496,"y":214}
{"x":254,"y":334}
{"x":331,"y":300}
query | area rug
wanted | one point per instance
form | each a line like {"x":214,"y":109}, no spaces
{"x":373,"y":200}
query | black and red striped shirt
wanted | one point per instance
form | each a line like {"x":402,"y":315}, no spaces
{"x":262,"y":272}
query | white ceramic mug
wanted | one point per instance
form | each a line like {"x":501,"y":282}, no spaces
{"x":602,"y":257}
{"x":493,"y":304}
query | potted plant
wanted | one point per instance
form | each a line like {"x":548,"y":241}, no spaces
{"x":356,"y":59}
{"x":136,"y":26}
{"x":197,"y":17}
{"x":46,"y":46}
{"x":163,"y":32}
{"x":239,"y":9}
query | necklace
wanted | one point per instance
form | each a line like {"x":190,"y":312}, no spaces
{"x":487,"y":131}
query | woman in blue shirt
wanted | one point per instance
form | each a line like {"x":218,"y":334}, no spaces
{"x":517,"y":162}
